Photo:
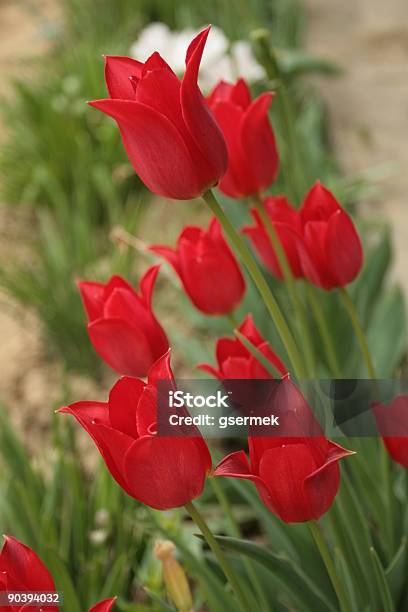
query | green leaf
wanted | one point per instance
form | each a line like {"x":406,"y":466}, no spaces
{"x":385,"y":595}
{"x":396,"y":571}
{"x":297,"y":585}
{"x":62,"y":580}
{"x":387,"y":333}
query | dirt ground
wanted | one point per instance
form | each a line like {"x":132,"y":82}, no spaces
{"x":369,"y":112}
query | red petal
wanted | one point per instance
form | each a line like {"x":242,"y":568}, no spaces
{"x":166,"y":473}
{"x":343,"y":249}
{"x":209,"y":369}
{"x":284,"y":470}
{"x":313,"y":256}
{"x":124,"y":347}
{"x":155,"y":148}
{"x":211,"y":275}
{"x":24,"y":568}
{"x":147,"y":283}
{"x":236,"y":465}
{"x":103,"y":606}
{"x":258,"y":143}
{"x":240,"y":94}
{"x":118,"y":69}
{"x":238,"y":180}
{"x":196,"y":112}
{"x":319,"y":204}
{"x":168,"y":253}
{"x":161,"y":369}
{"x":123,"y":400}
{"x":146,"y":415}
{"x":92,"y":295}
{"x":250,"y":331}
{"x":111,"y":443}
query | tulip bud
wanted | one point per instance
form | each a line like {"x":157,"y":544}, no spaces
{"x":174,"y":576}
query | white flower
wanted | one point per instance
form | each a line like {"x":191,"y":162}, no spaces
{"x":218,"y":62}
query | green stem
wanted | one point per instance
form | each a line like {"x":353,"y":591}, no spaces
{"x":328,"y":561}
{"x":260,"y":282}
{"x":236,"y":533}
{"x":232,"y":320}
{"x":323,"y":331}
{"x":362,"y":341}
{"x":284,"y":265}
{"x":215,"y":547}
{"x":296,"y":184}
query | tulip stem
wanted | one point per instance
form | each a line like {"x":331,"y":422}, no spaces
{"x":284,"y":265}
{"x":328,"y":561}
{"x":235,"y":531}
{"x":323,"y":331}
{"x":362,"y":341}
{"x":216,"y":549}
{"x":260,"y":282}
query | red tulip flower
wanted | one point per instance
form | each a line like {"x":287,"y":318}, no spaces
{"x":253,"y":160}
{"x":330,"y":252}
{"x":22,"y":570}
{"x":393,"y":420}
{"x":235,"y":361}
{"x":207,"y":268}
{"x":122,"y":326}
{"x":296,"y":477}
{"x":168,"y":131}
{"x":286,"y":221}
{"x":104,"y":606}
{"x":161,"y":472}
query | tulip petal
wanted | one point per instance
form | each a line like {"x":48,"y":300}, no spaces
{"x":122,"y":346}
{"x":322,"y":485}
{"x":155,"y":148}
{"x":147,"y":283}
{"x":284,"y":469}
{"x":209,"y":369}
{"x":23,"y":567}
{"x":168,"y":253}
{"x":238,"y":180}
{"x":118,"y":70}
{"x":92,"y":295}
{"x":258,"y":142}
{"x":111,"y":443}
{"x":319,"y":204}
{"x":343,"y":249}
{"x":196,"y":113}
{"x":103,"y":606}
{"x":146,"y":414}
{"x":166,"y":473}
{"x":123,"y":400}
{"x":236,"y":465}
{"x":313,"y":256}
{"x":161,"y":370}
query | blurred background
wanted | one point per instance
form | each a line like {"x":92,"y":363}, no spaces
{"x":71,"y":206}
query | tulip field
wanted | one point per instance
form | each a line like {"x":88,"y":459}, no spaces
{"x":242,"y":442}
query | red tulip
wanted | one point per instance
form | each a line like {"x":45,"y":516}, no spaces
{"x":161,"y":472}
{"x":393,"y":420}
{"x":22,"y":570}
{"x":331,"y":252}
{"x":122,"y":326}
{"x":296,"y":477}
{"x":104,"y":606}
{"x":287,"y":224}
{"x":207,"y":268}
{"x":235,"y":360}
{"x":168,"y":131}
{"x":253,"y":160}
